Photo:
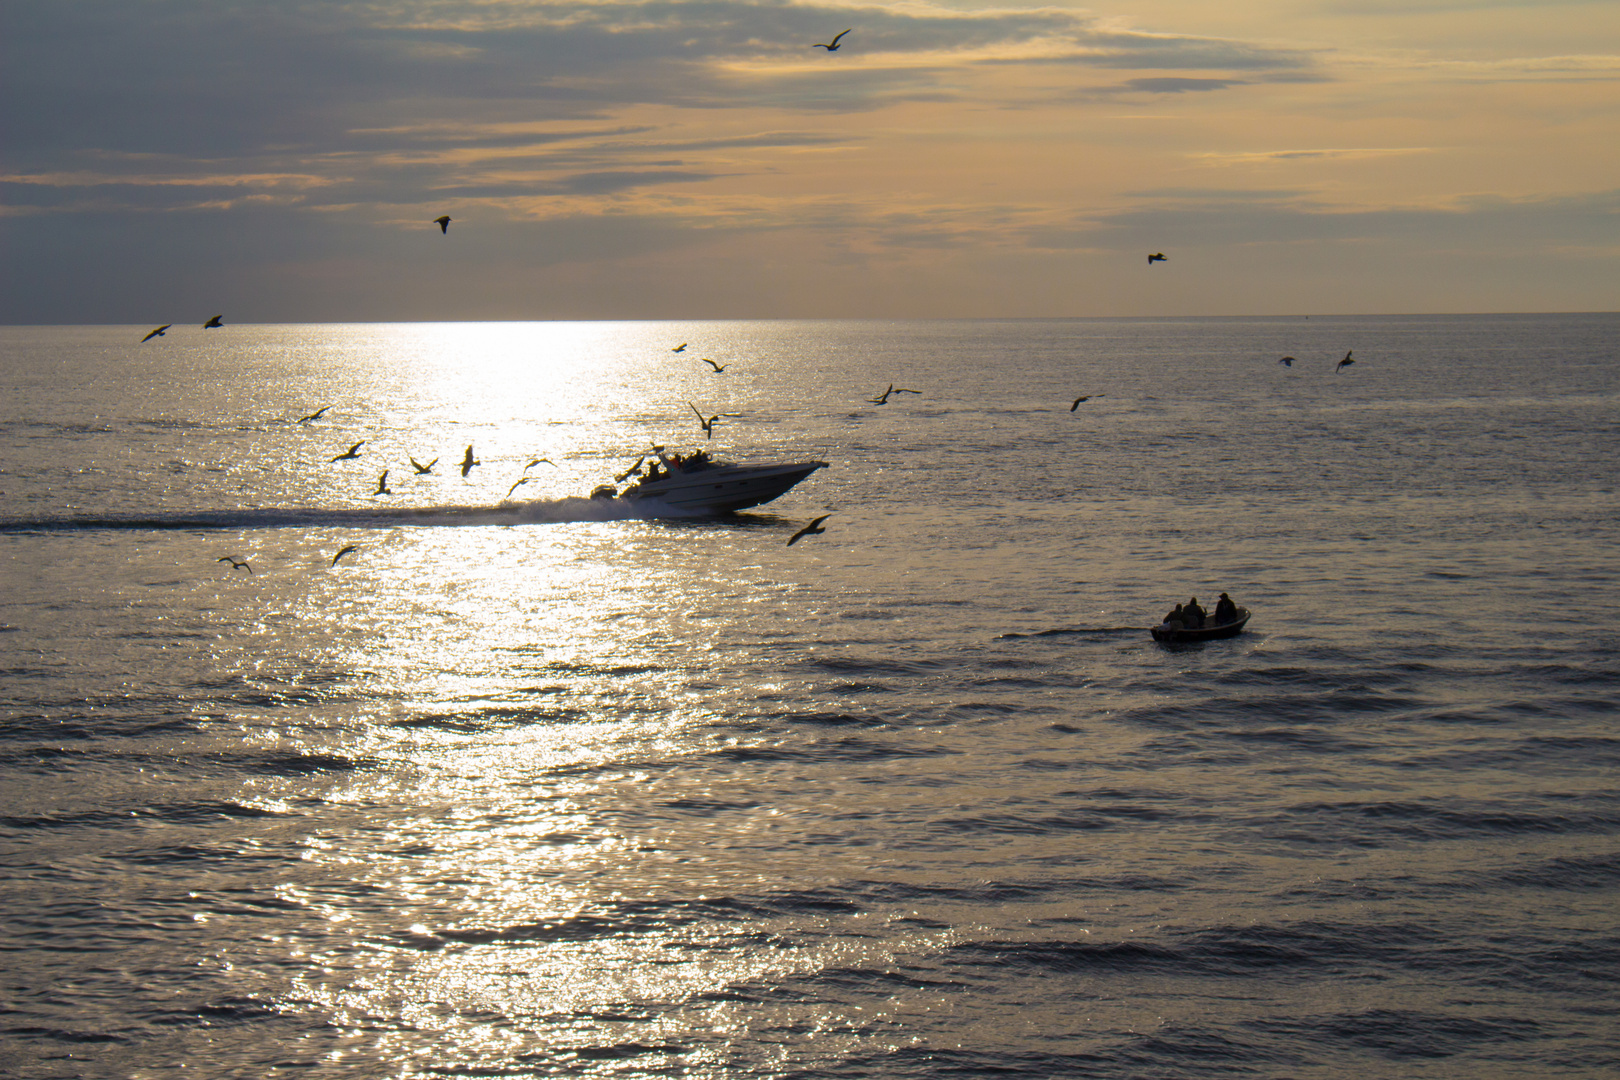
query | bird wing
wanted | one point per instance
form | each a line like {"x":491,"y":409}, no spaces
{"x":835,"y":40}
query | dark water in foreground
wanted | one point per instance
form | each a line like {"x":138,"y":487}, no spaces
{"x":543,"y":788}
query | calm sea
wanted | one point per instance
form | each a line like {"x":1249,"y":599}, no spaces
{"x":538,"y":787}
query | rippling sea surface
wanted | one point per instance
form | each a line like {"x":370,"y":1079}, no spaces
{"x":544,"y":788}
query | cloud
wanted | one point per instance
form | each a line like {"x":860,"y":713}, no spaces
{"x":1264,"y":157}
{"x":1174,"y":85}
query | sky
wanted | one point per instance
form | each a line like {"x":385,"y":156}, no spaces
{"x":283,"y":160}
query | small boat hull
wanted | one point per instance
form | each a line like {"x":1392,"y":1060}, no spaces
{"x":1164,"y":632}
{"x":722,"y":489}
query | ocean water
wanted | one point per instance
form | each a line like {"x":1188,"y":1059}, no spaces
{"x":542,"y":787}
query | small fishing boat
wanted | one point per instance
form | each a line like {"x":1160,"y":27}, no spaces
{"x":1208,"y":632}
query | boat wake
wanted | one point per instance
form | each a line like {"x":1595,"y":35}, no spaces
{"x":537,"y":512}
{"x":1077,"y":630}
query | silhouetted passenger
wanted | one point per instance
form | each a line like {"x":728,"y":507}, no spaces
{"x":1174,"y":618}
{"x":1225,"y":611}
{"x":1192,"y":616}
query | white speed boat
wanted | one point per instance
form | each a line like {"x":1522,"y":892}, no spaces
{"x":699,"y":484}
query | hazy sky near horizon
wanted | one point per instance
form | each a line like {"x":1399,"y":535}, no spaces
{"x":282,"y":160}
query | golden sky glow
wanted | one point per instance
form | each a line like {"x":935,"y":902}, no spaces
{"x":698,"y":158}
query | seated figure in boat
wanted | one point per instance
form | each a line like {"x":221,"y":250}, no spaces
{"x":1173,"y":620}
{"x":1192,"y":616}
{"x":1225,"y":611}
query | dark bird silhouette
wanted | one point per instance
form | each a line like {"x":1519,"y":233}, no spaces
{"x":1078,"y":400}
{"x":382,"y":484}
{"x":236,"y":564}
{"x":443,"y":223}
{"x":679,"y":348}
{"x":421,"y":469}
{"x":1287,"y":361}
{"x":1156,"y":258}
{"x":520,"y":483}
{"x":156,"y":333}
{"x":468,"y":462}
{"x":834,"y":46}
{"x":706,"y":425}
{"x":1346,"y":362}
{"x":718,"y":368}
{"x":883,"y":398}
{"x":316,"y":415}
{"x":628,"y":472}
{"x":541,"y":461}
{"x":345,"y":551}
{"x":351,"y":452}
{"x":812,"y":529}
{"x":213,"y":324}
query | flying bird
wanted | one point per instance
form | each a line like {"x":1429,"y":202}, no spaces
{"x":351,"y":452}
{"x":443,"y":223}
{"x":345,"y":551}
{"x":520,"y":483}
{"x":718,"y":368}
{"x":236,"y":564}
{"x":1287,"y":361}
{"x":213,"y":324}
{"x":382,"y":484}
{"x":679,"y":348}
{"x":421,"y":469}
{"x":468,"y":462}
{"x":316,"y":415}
{"x":1346,"y":362}
{"x":626,"y":474}
{"x":541,"y":461}
{"x":1156,"y":258}
{"x":156,"y":333}
{"x":834,"y":46}
{"x":1078,"y":400}
{"x":706,"y":425}
{"x":812,"y":529}
{"x":883,"y":398}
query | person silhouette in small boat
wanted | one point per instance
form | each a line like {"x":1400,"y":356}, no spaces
{"x":1225,"y":611}
{"x":1192,"y":616}
{"x":1174,"y":620}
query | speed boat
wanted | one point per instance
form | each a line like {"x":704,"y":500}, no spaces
{"x":700,"y":484}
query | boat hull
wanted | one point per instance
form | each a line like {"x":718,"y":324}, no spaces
{"x":1163,"y":632}
{"x":723,"y":489}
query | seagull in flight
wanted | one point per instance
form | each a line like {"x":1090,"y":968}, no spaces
{"x":626,"y":474}
{"x":345,"y":551}
{"x":1156,"y":258}
{"x":421,"y":469}
{"x":834,"y":46}
{"x":443,"y":223}
{"x":706,"y":425}
{"x":883,"y":398}
{"x":351,"y":452}
{"x":541,"y":461}
{"x":156,"y":333}
{"x":1287,"y":361}
{"x":468,"y":462}
{"x":718,"y":368}
{"x":679,"y":348}
{"x":236,"y":564}
{"x":382,"y":484}
{"x":521,"y":481}
{"x":1078,"y":400}
{"x":812,"y":529}
{"x":213,"y":324}
{"x":316,"y":415}
{"x":1346,"y":362}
